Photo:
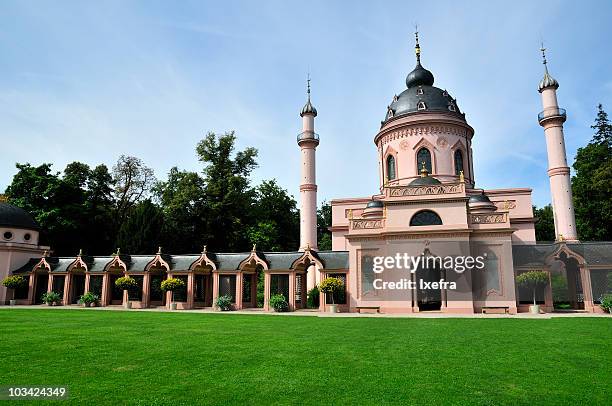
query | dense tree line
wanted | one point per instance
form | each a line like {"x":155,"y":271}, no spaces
{"x":98,"y":210}
{"x":591,"y":188}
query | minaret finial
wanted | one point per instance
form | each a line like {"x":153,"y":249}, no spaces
{"x":308,"y":86}
{"x":417,"y":47}
{"x":424,"y":171}
{"x":543,"y":50}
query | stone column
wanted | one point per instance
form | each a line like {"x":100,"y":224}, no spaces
{"x":215,"y":290}
{"x":291,"y":298}
{"x":190,"y":290}
{"x":267,"y":281}
{"x":104,"y":300}
{"x":587,"y":289}
{"x":239,"y":279}
{"x":67,"y":299}
{"x":87,"y":281}
{"x":146,"y":290}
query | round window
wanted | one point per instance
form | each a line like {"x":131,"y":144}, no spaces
{"x":27,"y":236}
{"x":8,"y":235}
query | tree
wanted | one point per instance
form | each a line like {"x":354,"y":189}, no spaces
{"x":133,"y":182}
{"x":324,"y":221}
{"x":275,"y":217}
{"x":140,"y":233}
{"x":182,"y":200}
{"x":533,"y":280}
{"x":228,"y":196}
{"x":592,"y":183}
{"x":544,"y":223}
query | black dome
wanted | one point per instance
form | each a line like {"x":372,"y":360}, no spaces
{"x":374,"y":203}
{"x":419,"y":76}
{"x":424,"y":180}
{"x":433,"y":99}
{"x":13,"y":216}
{"x":481,"y":198}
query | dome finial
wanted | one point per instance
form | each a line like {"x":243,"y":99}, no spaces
{"x":547,"y":81}
{"x":424,"y":171}
{"x":308,"y":107}
{"x":417,"y":47}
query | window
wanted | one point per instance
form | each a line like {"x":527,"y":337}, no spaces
{"x":425,"y":218}
{"x":421,"y":105}
{"x":8,"y":235}
{"x":27,"y":236}
{"x":424,"y":157}
{"x":458,"y":162}
{"x":451,"y":107}
{"x":391,"y":168}
{"x":419,"y":91}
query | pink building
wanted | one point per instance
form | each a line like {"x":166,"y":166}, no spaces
{"x":429,"y":239}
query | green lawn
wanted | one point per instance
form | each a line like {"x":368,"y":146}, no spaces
{"x":112,"y":357}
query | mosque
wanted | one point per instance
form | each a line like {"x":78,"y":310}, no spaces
{"x":428,"y":206}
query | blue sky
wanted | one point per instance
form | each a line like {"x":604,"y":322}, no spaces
{"x":90,"y":81}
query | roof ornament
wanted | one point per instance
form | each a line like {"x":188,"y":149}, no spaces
{"x":417,"y":47}
{"x":461,"y":177}
{"x":308,"y":107}
{"x":116,"y":254}
{"x":45,"y":254}
{"x":204,"y":250}
{"x":254,"y":248}
{"x":80,"y":252}
{"x":547,"y":81}
{"x":424,"y":172}
{"x":159,"y":250}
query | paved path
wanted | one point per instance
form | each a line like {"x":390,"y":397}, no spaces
{"x":315,"y":313}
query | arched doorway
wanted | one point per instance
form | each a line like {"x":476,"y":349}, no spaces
{"x":566,"y":284}
{"x":429,"y":294}
{"x":41,"y":284}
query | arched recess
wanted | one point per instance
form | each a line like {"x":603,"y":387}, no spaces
{"x":425,"y":152}
{"x":390,"y":166}
{"x":425,"y":218}
{"x":41,"y":279}
{"x":460,"y":159}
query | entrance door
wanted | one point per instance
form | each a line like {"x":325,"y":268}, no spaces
{"x":41,"y":282}
{"x":77,"y":288}
{"x":116,"y":293}
{"x":428,"y":298}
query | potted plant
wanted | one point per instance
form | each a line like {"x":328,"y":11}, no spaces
{"x":14,"y":282}
{"x":331,"y":285}
{"x":279,"y":303}
{"x":88,"y":299}
{"x":533,"y":280}
{"x":606,"y":303}
{"x":126,"y":283}
{"x":52,"y":298}
{"x":224,"y":303}
{"x":170,"y":285}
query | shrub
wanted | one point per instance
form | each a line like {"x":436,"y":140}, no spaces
{"x":313,"y":298}
{"x":279,"y":303}
{"x":172,"y":284}
{"x":606,"y":302}
{"x":126,"y":283}
{"x":331,"y":286}
{"x":533,"y":280}
{"x":224,"y":302}
{"x":14,"y":281}
{"x":51,"y":297}
{"x":88,"y":298}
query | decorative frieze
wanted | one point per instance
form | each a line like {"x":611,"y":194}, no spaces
{"x":423,"y":130}
{"x":367,"y":224}
{"x":489,"y":218}
{"x":425,"y":190}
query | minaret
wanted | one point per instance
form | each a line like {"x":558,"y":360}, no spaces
{"x":308,"y":141}
{"x":552,"y":118}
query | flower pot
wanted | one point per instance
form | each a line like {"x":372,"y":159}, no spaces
{"x":333,"y":308}
{"x":172,"y":306}
{"x":534,"y":309}
{"x":128,"y":305}
{"x":12,"y":302}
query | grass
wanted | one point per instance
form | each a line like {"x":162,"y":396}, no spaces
{"x":117,"y":357}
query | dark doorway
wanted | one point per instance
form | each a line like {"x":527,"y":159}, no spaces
{"x":428,"y":299}
{"x":116,"y":293}
{"x":77,"y":287}
{"x":41,"y":282}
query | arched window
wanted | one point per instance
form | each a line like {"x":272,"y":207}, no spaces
{"x":458,"y":162}
{"x":421,"y":105}
{"x":425,"y":218}
{"x":424,"y":156}
{"x":391,"y":173}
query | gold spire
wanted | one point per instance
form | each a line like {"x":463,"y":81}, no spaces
{"x":417,"y":47}
{"x":424,"y":171}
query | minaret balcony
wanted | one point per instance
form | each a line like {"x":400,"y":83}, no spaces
{"x":306,"y":136}
{"x":552,"y":113}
